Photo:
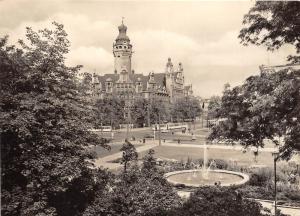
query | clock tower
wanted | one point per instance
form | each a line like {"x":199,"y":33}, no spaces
{"x":122,"y":50}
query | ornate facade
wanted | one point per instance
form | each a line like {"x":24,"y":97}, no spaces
{"x":125,"y":83}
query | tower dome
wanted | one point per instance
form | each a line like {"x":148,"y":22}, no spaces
{"x":122,"y":33}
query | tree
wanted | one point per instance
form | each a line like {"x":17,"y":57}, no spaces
{"x":44,"y":120}
{"x":139,"y":111}
{"x":109,"y":111}
{"x":213,"y":106}
{"x":149,"y":163}
{"x":158,"y":110}
{"x":136,"y":194}
{"x":129,"y":154}
{"x":143,"y":197}
{"x":187,"y":108}
{"x":273,"y":24}
{"x":219,"y":201}
{"x":266,"y":106}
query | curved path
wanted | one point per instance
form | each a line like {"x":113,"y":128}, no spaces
{"x":105,"y":162}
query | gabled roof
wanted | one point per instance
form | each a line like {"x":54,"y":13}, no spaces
{"x":111,"y":77}
{"x":140,"y":78}
{"x":159,"y":79}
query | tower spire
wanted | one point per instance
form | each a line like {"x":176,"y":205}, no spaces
{"x":123,"y":20}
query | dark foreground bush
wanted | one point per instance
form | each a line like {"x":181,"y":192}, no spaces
{"x":219,"y":201}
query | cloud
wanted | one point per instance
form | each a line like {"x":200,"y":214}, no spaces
{"x":93,"y":58}
{"x":153,"y":47}
{"x":90,"y":39}
{"x":201,"y":35}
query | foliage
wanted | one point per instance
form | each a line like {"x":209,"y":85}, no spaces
{"x":109,"y":111}
{"x":213,"y":106}
{"x":44,"y":120}
{"x":150,"y":111}
{"x":266,"y":106}
{"x":273,"y":24}
{"x":149,"y":163}
{"x":137,"y":192}
{"x":261,"y":177}
{"x":159,"y":110}
{"x":129,"y":154}
{"x":140,"y":111}
{"x":261,"y":183}
{"x":219,"y":201}
{"x":187,"y":108}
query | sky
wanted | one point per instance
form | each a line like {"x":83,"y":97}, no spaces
{"x":202,"y":35}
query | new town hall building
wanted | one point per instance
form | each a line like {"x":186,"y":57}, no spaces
{"x":126,"y":83}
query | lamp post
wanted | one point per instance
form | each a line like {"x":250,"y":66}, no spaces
{"x":276,"y":158}
{"x":159,"y":135}
{"x":127,"y":108}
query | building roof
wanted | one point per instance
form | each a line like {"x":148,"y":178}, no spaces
{"x":159,"y":79}
{"x":108,"y":77}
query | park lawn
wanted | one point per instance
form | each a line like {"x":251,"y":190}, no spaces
{"x":242,"y":159}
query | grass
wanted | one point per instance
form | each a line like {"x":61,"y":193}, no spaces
{"x":114,"y":148}
{"x":242,"y":159}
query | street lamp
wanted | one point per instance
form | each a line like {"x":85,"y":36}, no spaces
{"x":276,"y":158}
{"x":159,"y":135}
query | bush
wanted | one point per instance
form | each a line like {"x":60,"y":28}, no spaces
{"x":257,"y":192}
{"x":261,"y":177}
{"x":218,"y":201}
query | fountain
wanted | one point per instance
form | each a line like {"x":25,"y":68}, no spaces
{"x":206,"y":176}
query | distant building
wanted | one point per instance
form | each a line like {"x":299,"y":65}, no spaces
{"x":125,"y":83}
{"x":276,"y":68}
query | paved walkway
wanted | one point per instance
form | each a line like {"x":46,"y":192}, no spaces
{"x":293,"y":211}
{"x":105,"y":162}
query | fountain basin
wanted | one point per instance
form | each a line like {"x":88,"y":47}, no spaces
{"x":194,"y":178}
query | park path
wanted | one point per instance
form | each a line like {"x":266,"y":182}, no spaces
{"x":105,"y":162}
{"x":293,"y":211}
